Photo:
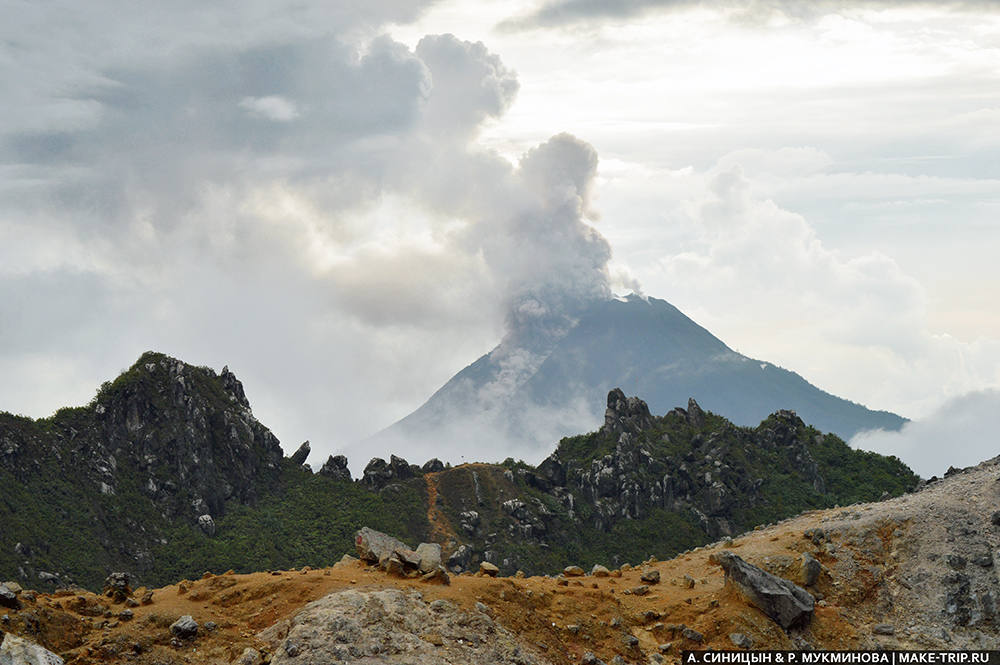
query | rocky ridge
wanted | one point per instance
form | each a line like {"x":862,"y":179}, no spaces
{"x":166,"y":472}
{"x":166,"y":442}
{"x":687,"y":477}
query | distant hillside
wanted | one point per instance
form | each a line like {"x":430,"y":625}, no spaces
{"x":523,"y":396}
{"x":166,"y":474}
{"x":646,"y":485}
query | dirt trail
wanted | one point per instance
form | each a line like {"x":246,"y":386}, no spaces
{"x":441,"y":531}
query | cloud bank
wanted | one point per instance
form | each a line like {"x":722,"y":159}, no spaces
{"x":840,"y":319}
{"x":961,"y":433}
{"x":305,"y":201}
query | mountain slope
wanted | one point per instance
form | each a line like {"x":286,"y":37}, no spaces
{"x":654,"y":485}
{"x":165,"y":444}
{"x":522,"y":397}
{"x":166,"y":474}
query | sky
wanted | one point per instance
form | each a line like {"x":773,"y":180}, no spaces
{"x":346,"y":203}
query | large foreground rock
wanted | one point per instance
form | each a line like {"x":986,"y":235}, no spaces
{"x":19,"y":651}
{"x":393,"y":628}
{"x":785,"y":602}
{"x":376,"y":547}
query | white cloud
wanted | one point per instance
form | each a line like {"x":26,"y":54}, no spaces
{"x":272,"y":107}
{"x":761,"y":277}
{"x":962,"y":432}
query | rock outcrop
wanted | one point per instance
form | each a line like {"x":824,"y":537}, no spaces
{"x":379,"y":473}
{"x":335,"y":467}
{"x":301,"y":454}
{"x":433,"y":465}
{"x":116,"y":587}
{"x":625,"y":414}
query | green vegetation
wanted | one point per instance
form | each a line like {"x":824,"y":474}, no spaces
{"x":309,"y":521}
{"x":119,"y":484}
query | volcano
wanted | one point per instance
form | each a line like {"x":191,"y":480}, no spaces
{"x":523,"y":396}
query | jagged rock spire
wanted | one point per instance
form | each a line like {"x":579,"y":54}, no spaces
{"x":300,"y":455}
{"x":625,"y":414}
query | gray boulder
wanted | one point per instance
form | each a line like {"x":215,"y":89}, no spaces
{"x":206,"y":524}
{"x":250,"y":657}
{"x":785,"y":602}
{"x":401,"y":469}
{"x":8,"y":598}
{"x":377,"y":473}
{"x":48,"y":577}
{"x":389,"y":553}
{"x":346,"y":560}
{"x":19,"y":651}
{"x":692,"y":634}
{"x":407,"y":557}
{"x":430,"y":556}
{"x":810,"y":569}
{"x":184,"y":628}
{"x":439,"y":574}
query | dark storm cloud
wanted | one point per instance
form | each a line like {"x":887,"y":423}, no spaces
{"x":161,"y":129}
{"x":568,"y":12}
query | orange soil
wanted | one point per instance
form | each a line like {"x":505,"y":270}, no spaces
{"x":539,"y":609}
